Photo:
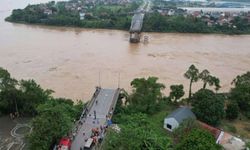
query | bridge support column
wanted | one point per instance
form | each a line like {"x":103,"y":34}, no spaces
{"x":134,"y":37}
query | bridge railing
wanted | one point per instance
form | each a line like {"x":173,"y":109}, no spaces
{"x":115,"y":98}
{"x":85,"y":110}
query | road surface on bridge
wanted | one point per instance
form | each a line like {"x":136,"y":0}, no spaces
{"x":106,"y":99}
{"x":136,"y":23}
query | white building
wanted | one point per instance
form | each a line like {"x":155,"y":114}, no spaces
{"x":173,"y":120}
{"x":82,"y":16}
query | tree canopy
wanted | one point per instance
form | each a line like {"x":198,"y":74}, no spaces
{"x":241,"y":92}
{"x":20,"y":96}
{"x":208,"y":106}
{"x":193,"y":74}
{"x":232,"y":111}
{"x":54,"y":121}
{"x":136,"y":133}
{"x":146,"y":94}
{"x":176,"y":92}
{"x":207,"y":78}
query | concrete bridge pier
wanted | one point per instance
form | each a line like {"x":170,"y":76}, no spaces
{"x":134,"y":37}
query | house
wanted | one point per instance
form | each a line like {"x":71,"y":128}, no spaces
{"x":47,"y":12}
{"x":171,"y":12}
{"x":173,"y":120}
{"x":82,"y":16}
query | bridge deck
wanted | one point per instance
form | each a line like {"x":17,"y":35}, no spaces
{"x":106,"y":99}
{"x":136,"y":23}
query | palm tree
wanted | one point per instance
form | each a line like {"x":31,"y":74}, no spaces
{"x":192,"y":74}
{"x":205,"y":77}
{"x":216,"y":83}
{"x":209,"y":79}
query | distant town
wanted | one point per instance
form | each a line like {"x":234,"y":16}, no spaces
{"x":190,"y":16}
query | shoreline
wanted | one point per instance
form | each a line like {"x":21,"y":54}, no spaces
{"x":114,"y":29}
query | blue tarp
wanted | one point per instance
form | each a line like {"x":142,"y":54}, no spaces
{"x":109,"y":122}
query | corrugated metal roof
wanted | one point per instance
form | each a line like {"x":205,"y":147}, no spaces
{"x":181,"y":114}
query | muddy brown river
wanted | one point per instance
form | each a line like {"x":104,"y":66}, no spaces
{"x":69,"y":60}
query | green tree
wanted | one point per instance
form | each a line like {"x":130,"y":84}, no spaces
{"x":192,"y":74}
{"x":8,"y":92}
{"x":53,"y":121}
{"x":205,"y":77}
{"x":241,"y":92}
{"x":32,"y":95}
{"x":208,"y":106}
{"x":242,"y":79}
{"x":232,"y":111}
{"x":146,"y":95}
{"x":176,"y":92}
{"x":209,"y":79}
{"x":136,"y":133}
{"x":198,"y":139}
{"x":216,"y":82}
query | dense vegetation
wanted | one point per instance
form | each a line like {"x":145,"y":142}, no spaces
{"x":141,"y":128}
{"x":117,"y":16}
{"x":54,"y":120}
{"x":198,"y":139}
{"x":20,"y":96}
{"x":137,"y":130}
{"x":139,"y":114}
{"x":100,"y":16}
{"x":191,"y":136}
{"x":52,"y":117}
{"x":158,"y":23}
{"x":241,"y":93}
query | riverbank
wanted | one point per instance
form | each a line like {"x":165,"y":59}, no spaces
{"x":179,"y":25}
{"x":117,"y":16}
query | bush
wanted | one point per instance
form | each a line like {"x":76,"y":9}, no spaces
{"x":248,"y":145}
{"x":198,"y":139}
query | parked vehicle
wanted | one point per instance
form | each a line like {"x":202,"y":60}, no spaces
{"x":64,"y":144}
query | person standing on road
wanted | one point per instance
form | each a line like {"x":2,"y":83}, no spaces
{"x":95,"y":114}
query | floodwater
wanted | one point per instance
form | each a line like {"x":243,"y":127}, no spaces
{"x":70,"y":60}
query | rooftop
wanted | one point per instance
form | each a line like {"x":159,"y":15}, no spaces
{"x":181,"y":114}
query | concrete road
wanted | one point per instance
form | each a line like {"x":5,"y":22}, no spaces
{"x":105,"y":101}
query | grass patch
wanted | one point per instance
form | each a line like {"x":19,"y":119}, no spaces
{"x":157,"y":120}
{"x":239,"y":127}
{"x":229,"y":127}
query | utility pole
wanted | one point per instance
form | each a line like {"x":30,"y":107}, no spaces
{"x":99,"y":79}
{"x":119,"y":80}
